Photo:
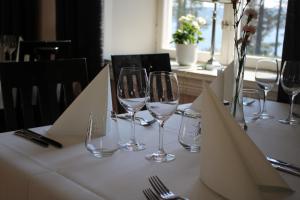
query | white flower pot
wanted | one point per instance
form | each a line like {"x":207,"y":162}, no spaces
{"x":186,"y":54}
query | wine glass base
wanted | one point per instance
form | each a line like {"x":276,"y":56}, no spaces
{"x":265,"y":116}
{"x":157,"y":157}
{"x":288,"y":121}
{"x":133,"y":146}
{"x":102,"y":152}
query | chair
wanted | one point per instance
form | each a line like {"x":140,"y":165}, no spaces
{"x":24,"y":108}
{"x":44,"y":50}
{"x":152,"y":62}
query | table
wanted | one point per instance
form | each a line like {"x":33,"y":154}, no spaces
{"x":30,"y":172}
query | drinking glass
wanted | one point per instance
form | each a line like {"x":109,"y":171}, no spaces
{"x":290,"y":82}
{"x":101,"y":140}
{"x":266,"y":76}
{"x":162,"y":102}
{"x":190,"y":130}
{"x":132,"y":92}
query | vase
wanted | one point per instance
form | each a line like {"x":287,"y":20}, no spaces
{"x":237,"y":107}
{"x":186,"y":54}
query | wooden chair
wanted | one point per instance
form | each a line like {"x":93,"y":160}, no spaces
{"x":152,"y":62}
{"x":24,"y":108}
{"x":45,"y":50}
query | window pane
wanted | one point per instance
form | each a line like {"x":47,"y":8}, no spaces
{"x":268,"y":40}
{"x":199,"y":9}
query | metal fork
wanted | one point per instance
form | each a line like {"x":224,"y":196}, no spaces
{"x":150,"y":195}
{"x":162,"y":190}
{"x":145,"y":122}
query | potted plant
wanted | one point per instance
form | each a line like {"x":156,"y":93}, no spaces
{"x":186,"y":38}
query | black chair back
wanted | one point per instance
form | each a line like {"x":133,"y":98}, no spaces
{"x":36,"y":93}
{"x":151,"y":62}
{"x":45,"y":50}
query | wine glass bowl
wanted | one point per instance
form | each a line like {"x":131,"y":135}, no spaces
{"x":266,"y":76}
{"x":290,"y":82}
{"x":132,"y":90}
{"x":162,"y":102}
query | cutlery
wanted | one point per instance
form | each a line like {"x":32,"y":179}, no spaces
{"x":150,"y":195}
{"x":286,"y":170}
{"x":32,"y":139}
{"x":143,"y":122}
{"x":296,"y":115}
{"x":282,"y":163}
{"x":162,"y":190}
{"x":181,"y":112}
{"x":41,"y":137}
{"x":248,"y":103}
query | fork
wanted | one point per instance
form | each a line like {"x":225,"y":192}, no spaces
{"x":150,"y":195}
{"x":143,"y":122}
{"x":162,"y":190}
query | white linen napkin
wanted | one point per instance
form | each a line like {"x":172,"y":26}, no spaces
{"x":94,"y":98}
{"x":222,"y":87}
{"x":230,"y":163}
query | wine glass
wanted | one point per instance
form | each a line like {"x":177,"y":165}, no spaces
{"x":162,"y":102}
{"x":132,"y":90}
{"x":290,"y":82}
{"x":266,"y":76}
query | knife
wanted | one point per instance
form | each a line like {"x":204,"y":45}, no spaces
{"x":42,"y":138}
{"x":32,"y":139}
{"x":286,"y":170}
{"x":282,"y":163}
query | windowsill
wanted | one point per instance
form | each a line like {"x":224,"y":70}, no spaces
{"x":191,"y":79}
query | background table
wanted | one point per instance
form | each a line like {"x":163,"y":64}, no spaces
{"x":31,"y":172}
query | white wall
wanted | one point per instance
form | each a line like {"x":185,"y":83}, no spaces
{"x":129,"y":26}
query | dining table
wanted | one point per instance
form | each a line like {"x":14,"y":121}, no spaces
{"x":31,"y":172}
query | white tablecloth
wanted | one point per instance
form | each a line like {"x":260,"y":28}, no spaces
{"x":30,"y":172}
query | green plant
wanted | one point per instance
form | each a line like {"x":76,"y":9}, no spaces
{"x":189,"y":31}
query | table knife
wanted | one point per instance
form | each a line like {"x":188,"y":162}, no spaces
{"x":286,"y":170}
{"x":282,"y":163}
{"x":32,"y":139}
{"x":42,"y":138}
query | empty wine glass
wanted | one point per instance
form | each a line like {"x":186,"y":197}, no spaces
{"x":266,"y":76}
{"x":132,"y":92}
{"x":290,"y":82}
{"x":162,"y":102}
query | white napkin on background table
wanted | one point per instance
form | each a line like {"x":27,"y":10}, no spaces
{"x":230,"y":163}
{"x":222,"y":87}
{"x":94,"y":98}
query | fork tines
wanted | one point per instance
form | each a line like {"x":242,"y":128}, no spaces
{"x":150,"y":195}
{"x":158,"y":185}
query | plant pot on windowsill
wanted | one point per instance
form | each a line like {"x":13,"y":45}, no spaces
{"x":186,"y":54}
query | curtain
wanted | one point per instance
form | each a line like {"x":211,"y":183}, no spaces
{"x":81,"y":22}
{"x":19,"y":17}
{"x":291,"y":42}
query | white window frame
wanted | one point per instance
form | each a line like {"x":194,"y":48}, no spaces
{"x":224,"y":56}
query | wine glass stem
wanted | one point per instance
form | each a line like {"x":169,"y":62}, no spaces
{"x":160,"y":139}
{"x":292,"y":97}
{"x":132,"y":136}
{"x":264,"y":108}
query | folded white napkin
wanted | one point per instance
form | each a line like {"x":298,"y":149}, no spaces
{"x":222,"y":87}
{"x":230,"y":163}
{"x":94,"y":98}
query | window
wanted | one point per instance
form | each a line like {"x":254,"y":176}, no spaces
{"x":267,"y":41}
